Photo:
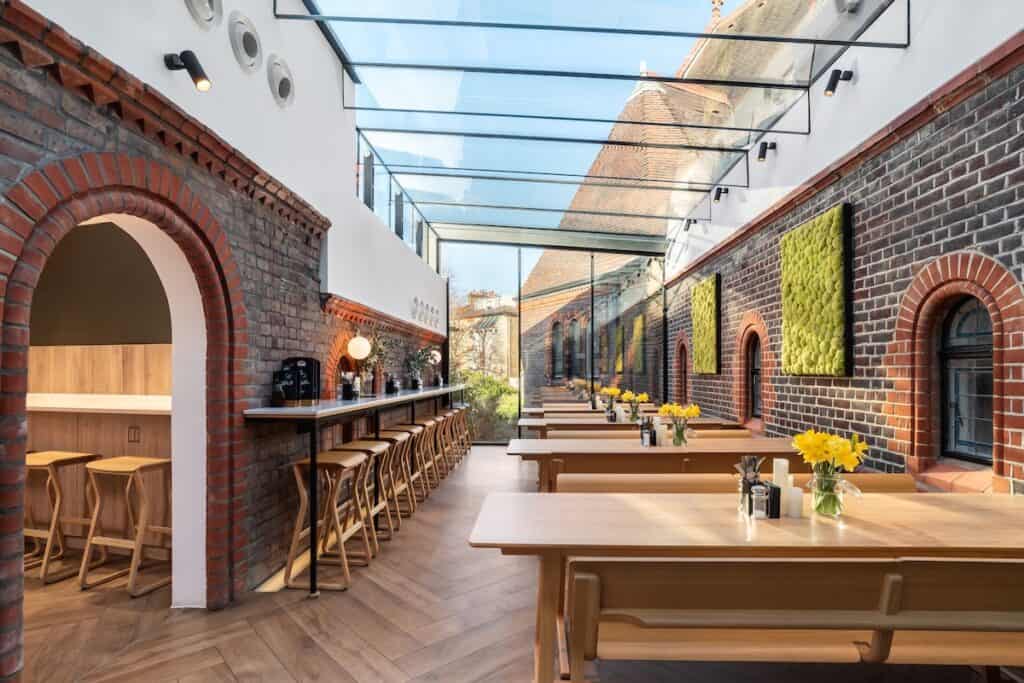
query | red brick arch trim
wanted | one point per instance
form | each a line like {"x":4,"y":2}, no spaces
{"x":39,"y":212}
{"x":339,"y":349}
{"x":752,"y":324}
{"x":683,"y":367}
{"x":911,"y":358}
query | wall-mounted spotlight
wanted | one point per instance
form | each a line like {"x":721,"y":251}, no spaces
{"x":188,"y":61}
{"x":762,"y":150}
{"x":688,"y":224}
{"x":833,"y":80}
{"x":719,"y":191}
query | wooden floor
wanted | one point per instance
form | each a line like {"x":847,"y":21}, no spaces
{"x":429,"y":609}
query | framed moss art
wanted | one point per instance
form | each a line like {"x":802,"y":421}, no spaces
{"x":636,"y":343}
{"x":619,"y":347}
{"x":704,"y":309}
{"x":816,"y":300}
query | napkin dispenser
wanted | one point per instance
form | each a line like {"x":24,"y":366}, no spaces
{"x":297,"y":383}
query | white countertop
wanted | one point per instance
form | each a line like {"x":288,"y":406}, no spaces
{"x":333,"y":408}
{"x":113,"y":404}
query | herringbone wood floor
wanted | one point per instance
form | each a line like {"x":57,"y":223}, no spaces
{"x":428,"y":609}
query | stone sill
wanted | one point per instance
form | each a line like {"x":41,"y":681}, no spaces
{"x":957,"y":478}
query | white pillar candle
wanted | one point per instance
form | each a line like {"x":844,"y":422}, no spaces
{"x":794,"y":502}
{"x":780,"y":477}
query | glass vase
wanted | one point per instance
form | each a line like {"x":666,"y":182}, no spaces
{"x":827,"y":495}
{"x":634,"y":412}
{"x":679,"y":435}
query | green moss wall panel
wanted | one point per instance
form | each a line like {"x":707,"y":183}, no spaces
{"x":636,"y":344}
{"x":619,"y":347}
{"x":704,"y":309}
{"x":814,"y":296}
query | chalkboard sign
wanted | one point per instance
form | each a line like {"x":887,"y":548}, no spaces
{"x":297,"y":383}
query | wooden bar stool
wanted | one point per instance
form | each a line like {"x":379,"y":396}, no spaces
{"x":400,"y":476}
{"x":337,"y":523}
{"x":440,"y":464}
{"x":130,"y":469}
{"x":373,"y":500}
{"x":465,"y":434}
{"x":417,"y":474}
{"x":425,"y":459}
{"x":53,"y":547}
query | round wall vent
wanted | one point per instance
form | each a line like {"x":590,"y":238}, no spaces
{"x":207,"y":13}
{"x":282,"y":86}
{"x":245,"y":42}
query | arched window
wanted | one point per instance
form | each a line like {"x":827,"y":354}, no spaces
{"x":966,"y":361}
{"x":557,"y":352}
{"x":754,"y":376}
{"x":574,"y":348}
{"x":681,"y":379}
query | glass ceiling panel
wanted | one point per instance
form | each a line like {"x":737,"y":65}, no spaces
{"x":571,"y":106}
{"x":623,"y":159}
{"x":546,"y":220}
{"x":605,"y":242}
{"x":791,"y":19}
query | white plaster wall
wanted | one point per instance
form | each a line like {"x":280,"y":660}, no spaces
{"x":947,"y":36}
{"x":310,"y":146}
{"x":188,"y":407}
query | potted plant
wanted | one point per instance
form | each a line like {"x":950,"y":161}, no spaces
{"x":680,"y":416}
{"x":634,"y":401}
{"x":384,"y":355}
{"x":829,"y":455}
{"x":414,"y":365}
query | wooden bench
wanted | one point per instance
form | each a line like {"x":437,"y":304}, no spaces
{"x":868,"y":482}
{"x":901,"y":611}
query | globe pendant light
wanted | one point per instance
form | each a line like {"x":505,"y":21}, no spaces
{"x":359,"y":347}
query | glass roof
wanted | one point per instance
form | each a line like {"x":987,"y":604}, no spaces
{"x":582,"y":114}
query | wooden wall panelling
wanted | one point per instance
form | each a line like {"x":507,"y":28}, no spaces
{"x":105,"y":369}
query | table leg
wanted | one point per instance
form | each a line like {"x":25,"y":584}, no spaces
{"x":543,"y":476}
{"x":544,"y":644}
{"x":314,"y":509}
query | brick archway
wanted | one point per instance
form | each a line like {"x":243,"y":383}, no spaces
{"x":41,"y":210}
{"x":339,"y":349}
{"x":911,"y":359}
{"x":752,"y":324}
{"x":683,"y":367}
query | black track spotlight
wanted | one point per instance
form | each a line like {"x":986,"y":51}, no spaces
{"x":833,"y":80}
{"x":188,"y":61}
{"x":762,"y":150}
{"x":719,"y":191}
{"x":687,"y":224}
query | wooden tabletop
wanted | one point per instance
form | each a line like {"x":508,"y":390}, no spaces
{"x":876,"y":525}
{"x":535,"y":448}
{"x":597,"y":421}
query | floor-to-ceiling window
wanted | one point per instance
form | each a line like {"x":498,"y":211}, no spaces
{"x":484,"y":333}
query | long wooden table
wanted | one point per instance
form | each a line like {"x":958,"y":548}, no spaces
{"x":544,"y":426}
{"x":554,"y":456}
{"x":707,"y":525}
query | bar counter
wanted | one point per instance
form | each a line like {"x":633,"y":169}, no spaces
{"x":311,"y":419}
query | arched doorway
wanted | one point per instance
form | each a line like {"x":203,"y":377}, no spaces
{"x":753,"y":352}
{"x":682,"y":387}
{"x":753,"y":365}
{"x":136,"y":188}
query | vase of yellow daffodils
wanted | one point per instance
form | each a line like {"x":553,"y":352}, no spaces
{"x":610,"y":395}
{"x":634,"y":401}
{"x":680,"y":416}
{"x":830,"y":456}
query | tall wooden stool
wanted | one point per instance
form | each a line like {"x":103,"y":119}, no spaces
{"x":400,"y":477}
{"x":130,"y":469}
{"x":417,"y":469}
{"x":337,"y":522}
{"x":432,"y":425}
{"x":465,"y":439}
{"x":52,"y":546}
{"x":371,"y":500}
{"x":440,"y":446}
{"x":425,"y":460}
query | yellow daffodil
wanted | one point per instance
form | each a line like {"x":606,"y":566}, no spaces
{"x":628,"y":396}
{"x":811,"y":445}
{"x":666,"y":409}
{"x":691,"y":411}
{"x":643,"y":398}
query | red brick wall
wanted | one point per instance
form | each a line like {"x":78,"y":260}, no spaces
{"x":938,"y":210}
{"x":80,"y":137}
